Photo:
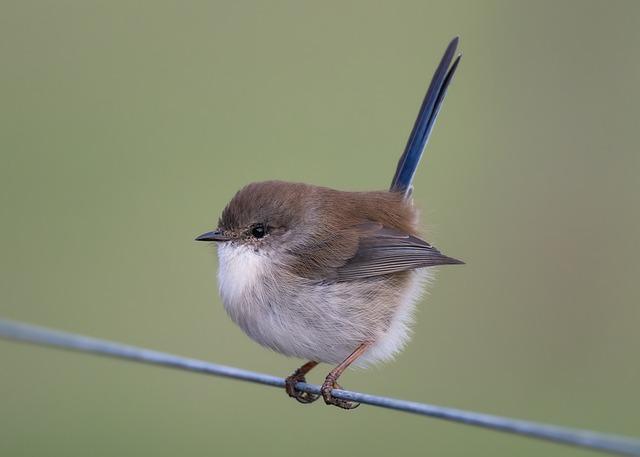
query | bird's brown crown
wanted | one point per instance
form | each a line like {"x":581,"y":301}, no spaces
{"x":314,"y":208}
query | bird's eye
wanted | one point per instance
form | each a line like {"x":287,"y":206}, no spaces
{"x":258,"y":231}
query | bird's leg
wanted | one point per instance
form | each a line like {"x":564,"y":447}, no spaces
{"x":330,"y":381}
{"x":296,"y":377}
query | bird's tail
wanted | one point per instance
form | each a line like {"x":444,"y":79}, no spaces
{"x":426,"y":119}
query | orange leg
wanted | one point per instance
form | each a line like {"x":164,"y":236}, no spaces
{"x":296,"y":377}
{"x":330,"y":382}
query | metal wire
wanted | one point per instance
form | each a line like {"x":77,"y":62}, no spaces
{"x":583,"y":438}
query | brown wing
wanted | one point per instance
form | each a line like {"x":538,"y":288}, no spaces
{"x":382,"y":250}
{"x":372,"y":234}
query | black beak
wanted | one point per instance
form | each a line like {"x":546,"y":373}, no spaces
{"x":213,"y":236}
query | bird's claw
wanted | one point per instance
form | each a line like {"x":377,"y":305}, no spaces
{"x":330,"y":384}
{"x":290,"y":387}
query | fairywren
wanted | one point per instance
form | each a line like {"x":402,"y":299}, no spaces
{"x":326,"y":275}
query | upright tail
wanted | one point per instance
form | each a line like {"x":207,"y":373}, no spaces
{"x":426,"y":119}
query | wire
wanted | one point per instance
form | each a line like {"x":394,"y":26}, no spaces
{"x":584,"y":438}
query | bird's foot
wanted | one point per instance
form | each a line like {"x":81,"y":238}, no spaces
{"x":290,"y":387}
{"x":330,"y":384}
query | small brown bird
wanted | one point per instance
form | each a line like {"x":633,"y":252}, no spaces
{"x":325,"y":275}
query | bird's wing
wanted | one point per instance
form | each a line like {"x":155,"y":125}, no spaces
{"x":382,"y":250}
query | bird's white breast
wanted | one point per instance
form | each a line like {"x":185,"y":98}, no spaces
{"x":246,"y":282}
{"x":239,"y":273}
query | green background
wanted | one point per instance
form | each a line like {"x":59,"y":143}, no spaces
{"x":126,"y":126}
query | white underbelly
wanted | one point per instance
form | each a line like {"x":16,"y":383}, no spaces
{"x":324,"y":322}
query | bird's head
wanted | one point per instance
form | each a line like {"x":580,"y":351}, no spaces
{"x":265,"y":216}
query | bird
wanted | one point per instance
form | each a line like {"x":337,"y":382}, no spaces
{"x":331,"y":276}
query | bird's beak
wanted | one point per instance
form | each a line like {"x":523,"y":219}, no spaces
{"x":216,"y":235}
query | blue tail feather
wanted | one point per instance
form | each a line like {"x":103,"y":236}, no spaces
{"x":426,"y":119}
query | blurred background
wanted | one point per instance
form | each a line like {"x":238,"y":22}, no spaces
{"x":125,"y":127}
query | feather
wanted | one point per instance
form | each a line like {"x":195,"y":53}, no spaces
{"x":384,"y":250}
{"x":425,"y":121}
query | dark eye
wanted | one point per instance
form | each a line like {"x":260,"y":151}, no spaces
{"x":258,"y":230}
